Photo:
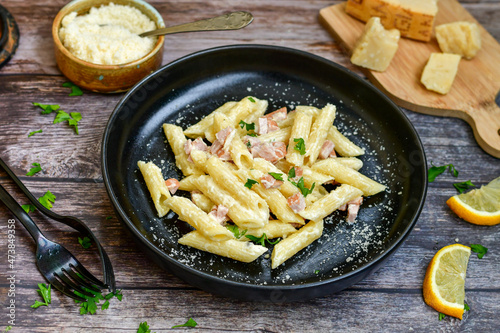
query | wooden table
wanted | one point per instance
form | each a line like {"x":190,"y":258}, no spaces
{"x":390,"y":300}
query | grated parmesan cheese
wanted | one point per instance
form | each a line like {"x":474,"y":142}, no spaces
{"x":108,"y":35}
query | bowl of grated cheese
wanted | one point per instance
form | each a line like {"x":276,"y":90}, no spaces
{"x":97,"y":44}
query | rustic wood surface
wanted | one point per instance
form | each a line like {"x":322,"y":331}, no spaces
{"x":390,"y":300}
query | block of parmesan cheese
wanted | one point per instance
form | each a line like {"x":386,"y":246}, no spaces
{"x":462,"y":38}
{"x":376,"y":46}
{"x":440,"y":72}
{"x":413,"y":18}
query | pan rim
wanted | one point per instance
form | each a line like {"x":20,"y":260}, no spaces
{"x":271,"y":287}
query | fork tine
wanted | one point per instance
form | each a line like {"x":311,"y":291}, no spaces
{"x":78,"y":279}
{"x":86,"y":274}
{"x":59,"y":286}
{"x":73,"y":285}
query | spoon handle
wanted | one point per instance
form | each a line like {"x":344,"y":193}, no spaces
{"x":231,"y":21}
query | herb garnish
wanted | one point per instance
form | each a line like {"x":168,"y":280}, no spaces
{"x":85,"y":242}
{"x":250,"y":183}
{"x":75,"y":90}
{"x":463,"y":186}
{"x":262,"y":239}
{"x":276,"y":175}
{"x":90,"y":305}
{"x":36,"y":168}
{"x":291,"y":173}
{"x":144,"y":328}
{"x":466,"y":307}
{"x":435,"y":171}
{"x":236,"y":231}
{"x":300,"y":146}
{"x":441,"y":316}
{"x":47,"y":108}
{"x":189,"y":323}
{"x":44,"y":292}
{"x":34,"y":132}
{"x":479,"y":249}
{"x":247,"y":126}
{"x":303,"y":189}
{"x":46,"y":200}
{"x":251,"y":99}
{"x":73,"y":118}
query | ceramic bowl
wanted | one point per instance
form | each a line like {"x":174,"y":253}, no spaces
{"x":106,"y":78}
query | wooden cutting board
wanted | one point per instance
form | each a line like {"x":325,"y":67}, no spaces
{"x":472,"y":96}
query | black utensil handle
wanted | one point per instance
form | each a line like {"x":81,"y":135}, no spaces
{"x":19,"y":212}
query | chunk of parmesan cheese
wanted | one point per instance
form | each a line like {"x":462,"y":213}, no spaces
{"x":413,"y":18}
{"x":462,"y":38}
{"x":440,"y":72}
{"x":376,"y":47}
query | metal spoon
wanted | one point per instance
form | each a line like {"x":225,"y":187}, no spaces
{"x":231,"y":21}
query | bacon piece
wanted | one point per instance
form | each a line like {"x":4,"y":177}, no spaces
{"x":297,"y":202}
{"x":279,"y":149}
{"x":343,"y":207}
{"x":223,"y":134}
{"x":298,"y":173}
{"x":197,"y":144}
{"x":251,"y":141}
{"x":220,"y":213}
{"x":262,"y":126}
{"x":353,"y":209}
{"x":269,"y":181}
{"x":272,"y":152}
{"x":326,"y":149}
{"x":217,"y":148}
{"x":277,"y":115}
{"x":272,"y":126}
{"x":172,"y":185}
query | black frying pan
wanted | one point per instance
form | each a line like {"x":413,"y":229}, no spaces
{"x":187,"y":89}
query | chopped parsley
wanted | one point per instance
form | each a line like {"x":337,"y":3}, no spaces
{"x":316,"y":271}
{"x":144,"y":328}
{"x":28,"y":208}
{"x":44,"y":292}
{"x":34,"y":132}
{"x":262,"y":239}
{"x":46,"y":200}
{"x":291,"y":173}
{"x":35,"y":169}
{"x":47,"y":108}
{"x":300,"y":146}
{"x":466,"y":307}
{"x":90,"y":305}
{"x":435,"y":171}
{"x":85,"y":242}
{"x":8,"y":328}
{"x":250,"y":183}
{"x":75,"y":90}
{"x":276,"y":175}
{"x":463,"y":186}
{"x":251,"y":99}
{"x":303,"y":189}
{"x":109,"y":217}
{"x":236,"y":231}
{"x":189,"y":323}
{"x":247,"y":126}
{"x":73,"y":118}
{"x":479,"y":249}
{"x":441,"y":316}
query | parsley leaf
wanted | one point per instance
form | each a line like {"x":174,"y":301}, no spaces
{"x":300,"y":146}
{"x":28,"y":208}
{"x":47,"y":199}
{"x":61,"y":116}
{"x":316,"y":271}
{"x":463,"y":186}
{"x":250,"y":183}
{"x":236,"y":231}
{"x":44,"y":292}
{"x":247,"y":126}
{"x":73,"y":118}
{"x":36,"y":168}
{"x":479,"y":249}
{"x":34,"y":132}
{"x":291,"y":173}
{"x":189,"y":323}
{"x":262,"y":239}
{"x":90,"y":305}
{"x":8,"y":328}
{"x":144,"y":328}
{"x":85,"y":242}
{"x":47,"y":108}
{"x":466,"y":307}
{"x":303,"y":189}
{"x":109,"y":217}
{"x":435,"y":171}
{"x":251,"y":99}
{"x":441,"y":316}
{"x":276,"y":175}
{"x":75,"y":90}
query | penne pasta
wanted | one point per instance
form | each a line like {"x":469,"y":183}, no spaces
{"x":156,"y":186}
{"x":343,"y":145}
{"x":319,"y":131}
{"x":274,"y":229}
{"x":198,"y":129}
{"x":300,"y":131}
{"x":177,"y":140}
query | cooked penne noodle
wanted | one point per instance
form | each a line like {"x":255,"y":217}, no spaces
{"x":283,"y":134}
{"x":241,"y":251}
{"x":318,"y":193}
{"x":177,"y":140}
{"x":300,"y":131}
{"x":319,"y":131}
{"x":309,"y":110}
{"x":274,"y":229}
{"x":312,"y":176}
{"x":187,"y":184}
{"x":346,"y":175}
{"x":240,"y":154}
{"x":295,"y":242}
{"x":287,"y":188}
{"x":343,"y":145}
{"x":351,"y":162}
{"x":198,"y":129}
{"x":202,"y":201}
{"x":330,"y":202}
{"x":198,"y":219}
{"x":156,"y":186}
